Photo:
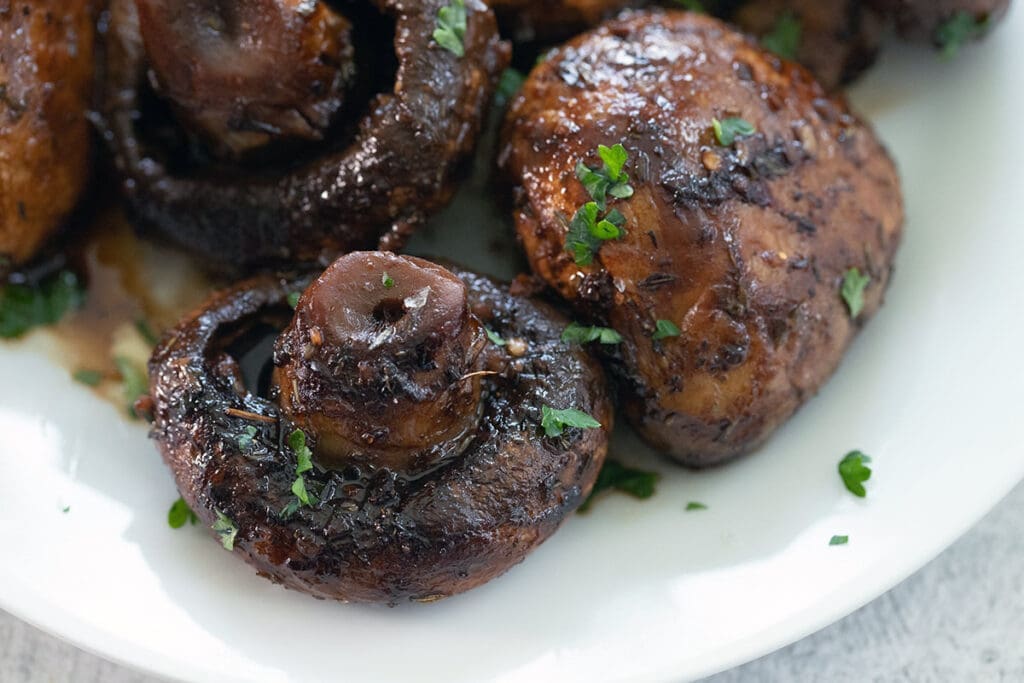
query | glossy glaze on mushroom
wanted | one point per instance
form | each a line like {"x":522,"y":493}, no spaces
{"x":376,"y":174}
{"x":46,"y":75}
{"x":432,"y":473}
{"x":725,"y":278}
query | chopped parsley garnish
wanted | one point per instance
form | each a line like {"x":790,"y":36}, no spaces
{"x":90,"y":378}
{"x":610,"y":180}
{"x":451,"y":27}
{"x":245,"y":440}
{"x":24,"y":306}
{"x":854,"y":471}
{"x":387,"y":280}
{"x":226,"y":529}
{"x":694,"y":505}
{"x":784,"y":39}
{"x":304,"y":463}
{"x":580,"y":334}
{"x":727,"y":130}
{"x":839,"y":540}
{"x":494,"y":337}
{"x":956,"y":31}
{"x":180,"y":514}
{"x":66,"y":509}
{"x":853,"y":290}
{"x":145,"y":330}
{"x":555,"y":421}
{"x":664,"y":329}
{"x":616,"y":476}
{"x":588,"y":231}
{"x":693,"y":6}
{"x":293,"y":299}
{"x":511,"y":82}
{"x":134,"y":382}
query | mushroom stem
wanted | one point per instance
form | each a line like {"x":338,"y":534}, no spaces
{"x":244,"y":73}
{"x":380,"y":364}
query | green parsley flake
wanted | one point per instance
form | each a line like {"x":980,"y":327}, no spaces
{"x":494,"y":337}
{"x":555,"y":421}
{"x":727,"y":130}
{"x":839,"y":540}
{"x":664,"y":329}
{"x":226,"y":529}
{"x":90,"y":378}
{"x":509,"y":85}
{"x":610,"y":180}
{"x":66,"y":509}
{"x":580,"y":334}
{"x":134,"y":382}
{"x":784,"y":39}
{"x":693,"y":6}
{"x":693,"y":505}
{"x":180,"y":514}
{"x":956,"y":31}
{"x":588,"y":231}
{"x":853,"y":290}
{"x":451,"y":27}
{"x":245,"y":440}
{"x":24,"y":306}
{"x":293,"y":299}
{"x":304,"y":463}
{"x":387,"y":280}
{"x":854,"y":472}
{"x":616,"y":476}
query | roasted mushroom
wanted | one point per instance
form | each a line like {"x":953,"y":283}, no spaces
{"x":46,"y":76}
{"x":532,"y":21}
{"x":717,"y":240}
{"x":836,"y":39}
{"x":238,"y":129}
{"x":430,"y":473}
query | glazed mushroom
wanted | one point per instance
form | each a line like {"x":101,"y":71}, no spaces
{"x":46,"y":76}
{"x":719,"y":239}
{"x":431,"y":472}
{"x":246,"y":176}
{"x":836,"y":39}
{"x":532,"y":21}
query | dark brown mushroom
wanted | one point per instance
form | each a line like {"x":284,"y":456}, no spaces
{"x":393,"y":514}
{"x":374,"y":177}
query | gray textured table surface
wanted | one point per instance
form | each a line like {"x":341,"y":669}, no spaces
{"x":961,"y":618}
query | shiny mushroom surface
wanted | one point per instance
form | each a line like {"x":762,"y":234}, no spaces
{"x":430,"y":471}
{"x":752,"y":195}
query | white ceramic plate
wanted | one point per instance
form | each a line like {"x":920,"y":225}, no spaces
{"x":635,"y":590}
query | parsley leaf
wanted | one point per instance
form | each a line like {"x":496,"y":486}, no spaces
{"x":494,"y":337}
{"x":960,"y":28}
{"x":89,"y":378}
{"x":304,"y":463}
{"x":693,"y":6}
{"x":587,"y":232}
{"x":387,"y":280}
{"x":180,"y":514}
{"x":555,"y":421}
{"x":24,"y":306}
{"x":245,"y":440}
{"x":451,"y":27}
{"x":609,"y":180}
{"x":853,"y":290}
{"x":727,"y":130}
{"x":693,"y":505}
{"x":509,"y":85}
{"x":134,"y":382}
{"x":854,"y":471}
{"x":616,"y":476}
{"x":664,"y":329}
{"x":226,"y":529}
{"x":839,"y":540}
{"x":784,"y":39}
{"x":580,"y":334}
{"x":293,"y":299}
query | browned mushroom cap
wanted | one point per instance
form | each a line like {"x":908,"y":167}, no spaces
{"x":245,"y":73}
{"x":381,"y":171}
{"x":374,"y":531}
